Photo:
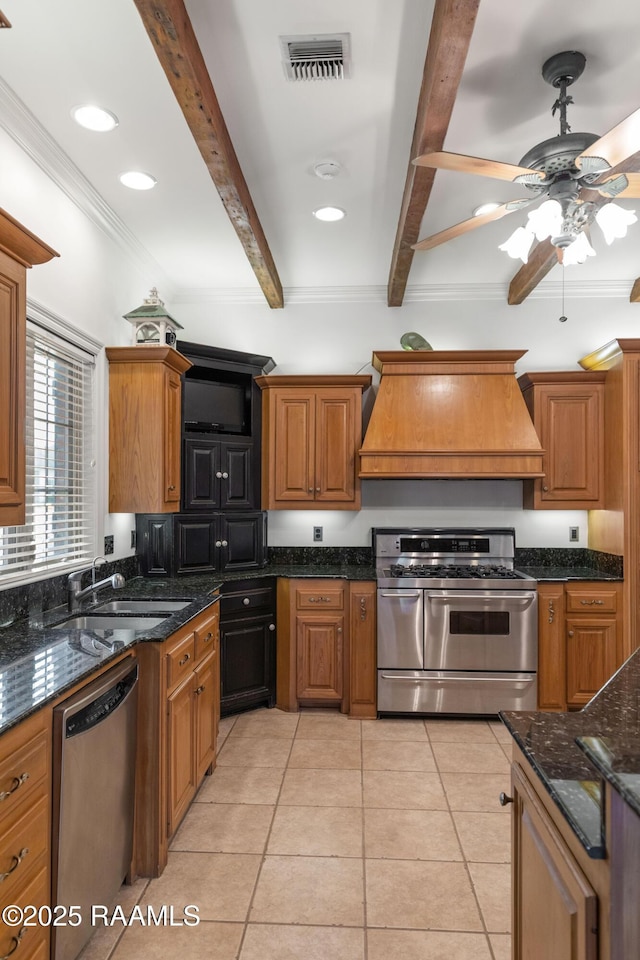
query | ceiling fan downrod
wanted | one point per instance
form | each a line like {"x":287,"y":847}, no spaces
{"x":561,"y":70}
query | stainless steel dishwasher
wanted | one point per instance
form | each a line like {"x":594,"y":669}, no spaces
{"x":94,"y":778}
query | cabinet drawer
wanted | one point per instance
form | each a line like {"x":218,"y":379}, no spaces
{"x":180,"y":660}
{"x":588,"y":600}
{"x":23,"y":845}
{"x":320,"y":597}
{"x":206,"y":633}
{"x":246,"y":602}
{"x":24,"y":768}
{"x":35,"y":893}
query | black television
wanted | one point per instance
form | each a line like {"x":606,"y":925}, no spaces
{"x":216,"y":406}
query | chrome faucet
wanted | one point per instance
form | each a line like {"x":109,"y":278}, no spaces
{"x":77,"y":594}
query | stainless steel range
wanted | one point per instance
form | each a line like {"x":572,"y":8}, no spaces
{"x":457,"y":625}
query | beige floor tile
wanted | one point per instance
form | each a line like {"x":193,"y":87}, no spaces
{"x":254,"y":752}
{"x":310,"y":890}
{"x":266,"y":723}
{"x":327,"y":726}
{"x":279,"y":942}
{"x":477,"y":791}
{"x":397,"y":755}
{"x":215,"y":941}
{"x":322,"y":788}
{"x":403,"y":789}
{"x":224,"y":828}
{"x":508,"y":752}
{"x":460,"y":731}
{"x":470,"y":757}
{"x":420,"y":894}
{"x":500,"y":732}
{"x":241,"y":785}
{"x":317,"y":832}
{"x":492,"y":882}
{"x":326,"y":754}
{"x":392,"y":729}
{"x":485,"y":837}
{"x":501,"y":944}
{"x":219,"y":884}
{"x":426,"y":945}
{"x":410,"y":835}
{"x":105,"y":937}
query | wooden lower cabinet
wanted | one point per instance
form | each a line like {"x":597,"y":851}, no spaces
{"x":326,"y":645}
{"x":178,"y":714}
{"x":579,"y":641}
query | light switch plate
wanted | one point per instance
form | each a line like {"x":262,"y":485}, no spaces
{"x":574,"y":534}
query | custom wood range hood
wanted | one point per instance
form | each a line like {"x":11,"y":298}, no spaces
{"x":454,"y":414}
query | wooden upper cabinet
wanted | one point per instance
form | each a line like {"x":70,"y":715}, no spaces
{"x":144,"y":428}
{"x":19,"y":249}
{"x":567,"y":410}
{"x":312,"y":430}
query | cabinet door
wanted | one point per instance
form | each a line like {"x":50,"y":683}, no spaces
{"x":181,"y":766}
{"x":206,"y":704}
{"x":196,"y":549}
{"x":172,"y":427}
{"x":292,"y":447}
{"x":237,"y":484}
{"x":154,"y":542}
{"x":12,"y":391}
{"x":247,"y":663}
{"x":362,"y":647}
{"x":319,"y":642}
{"x":554,"y":906}
{"x":243,"y":539}
{"x":552,"y":665}
{"x":572,"y":427}
{"x":202,"y":472}
{"x":591,"y":656}
{"x":336,"y":444}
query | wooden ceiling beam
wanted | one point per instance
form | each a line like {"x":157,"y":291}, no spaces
{"x":540,"y":262}
{"x":635,"y":292}
{"x":451,"y":30}
{"x":171,"y":32}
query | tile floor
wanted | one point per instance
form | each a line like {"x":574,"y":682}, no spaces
{"x":324,"y":838}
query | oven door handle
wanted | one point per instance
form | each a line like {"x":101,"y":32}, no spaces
{"x":515,"y":600}
{"x":402,"y":594}
{"x":457,"y":679}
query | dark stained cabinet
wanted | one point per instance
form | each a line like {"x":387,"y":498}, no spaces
{"x":247,"y":644}
{"x":219,"y":475}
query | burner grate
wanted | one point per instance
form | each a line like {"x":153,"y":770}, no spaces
{"x":461,"y":572}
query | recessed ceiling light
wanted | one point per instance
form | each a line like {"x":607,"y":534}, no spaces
{"x":94,"y":118}
{"x":137,"y":180}
{"x":329,"y":213}
{"x":486,"y":208}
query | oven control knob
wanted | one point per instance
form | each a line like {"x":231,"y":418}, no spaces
{"x":505,"y":799}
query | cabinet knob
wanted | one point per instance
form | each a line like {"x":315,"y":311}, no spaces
{"x":310,"y":490}
{"x":546,"y":489}
{"x":199,"y":690}
{"x":505,"y":799}
{"x":184,"y":660}
{"x":317,"y":489}
{"x":339,"y":630}
{"x":218,"y":543}
{"x":172,"y":487}
{"x":570,"y":633}
{"x":272,"y":627}
{"x":246,"y":601}
{"x":225,"y":543}
{"x":219,"y":474}
{"x":225,"y":476}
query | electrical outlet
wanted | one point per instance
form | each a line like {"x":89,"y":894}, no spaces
{"x":317,"y":534}
{"x":133,"y":540}
{"x":108,"y":545}
{"x":574,"y":534}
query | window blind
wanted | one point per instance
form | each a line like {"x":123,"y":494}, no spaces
{"x":60,"y":485}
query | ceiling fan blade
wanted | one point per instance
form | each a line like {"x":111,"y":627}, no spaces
{"x":631,"y":191}
{"x":466,"y":225}
{"x":460,"y":163}
{"x":616,"y":145}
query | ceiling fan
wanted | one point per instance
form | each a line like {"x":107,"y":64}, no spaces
{"x":576,"y":175}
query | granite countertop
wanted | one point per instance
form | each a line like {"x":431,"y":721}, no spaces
{"x":573,"y":752}
{"x":552,"y":573}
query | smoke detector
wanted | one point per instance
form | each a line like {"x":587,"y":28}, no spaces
{"x":320,"y":56}
{"x":327,"y":169}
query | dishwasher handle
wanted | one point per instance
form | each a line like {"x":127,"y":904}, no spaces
{"x":103,"y":699}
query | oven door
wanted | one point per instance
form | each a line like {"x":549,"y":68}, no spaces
{"x":480,"y":630}
{"x":400,"y":629}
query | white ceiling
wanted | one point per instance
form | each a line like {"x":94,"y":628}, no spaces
{"x":59,"y":54}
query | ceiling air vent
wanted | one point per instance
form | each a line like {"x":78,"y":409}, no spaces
{"x":3,"y":20}
{"x":322,"y":56}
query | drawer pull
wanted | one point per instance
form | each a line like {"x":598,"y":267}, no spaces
{"x":18,"y":858}
{"x":505,"y":799}
{"x":172,"y":487}
{"x":199,"y":690}
{"x":552,"y":611}
{"x":207,"y":638}
{"x":17,"y":782}
{"x":16,"y":943}
{"x":589,"y":603}
{"x":363,"y":608}
{"x":184,"y":660}
{"x":319,"y":599}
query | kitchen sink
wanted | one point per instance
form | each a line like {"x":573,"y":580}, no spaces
{"x":142,"y":606}
{"x":90,"y":622}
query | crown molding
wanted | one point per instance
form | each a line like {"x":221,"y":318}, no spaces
{"x":27,"y":131}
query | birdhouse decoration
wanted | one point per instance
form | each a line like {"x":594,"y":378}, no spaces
{"x":152,"y":323}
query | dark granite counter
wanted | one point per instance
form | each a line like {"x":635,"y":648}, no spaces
{"x":573,"y":752}
{"x":565,"y":573}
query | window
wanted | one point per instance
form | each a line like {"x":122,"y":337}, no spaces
{"x":59,"y":532}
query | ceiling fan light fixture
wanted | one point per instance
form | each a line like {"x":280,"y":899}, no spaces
{"x":546,"y":221}
{"x":578,"y":251}
{"x":519,"y":244}
{"x":329,"y":214}
{"x":613,"y":220}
